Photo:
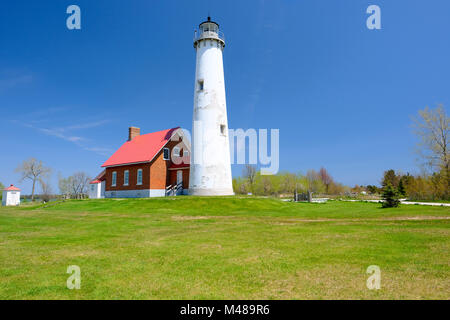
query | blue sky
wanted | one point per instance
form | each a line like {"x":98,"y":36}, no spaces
{"x":341,"y":95}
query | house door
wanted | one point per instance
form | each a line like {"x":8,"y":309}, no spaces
{"x":179,"y":176}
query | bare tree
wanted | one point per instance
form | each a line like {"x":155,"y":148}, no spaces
{"x":79,"y":183}
{"x":75,"y":186}
{"x":64,"y":186}
{"x":326,"y":178}
{"x":267,"y":185}
{"x":46,"y":190}
{"x":288,"y":182}
{"x":432,"y":128}
{"x":33,"y":170}
{"x":250,"y":175}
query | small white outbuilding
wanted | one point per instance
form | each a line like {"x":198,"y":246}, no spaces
{"x":97,"y":186}
{"x":11,"y":196}
{"x":96,"y":189}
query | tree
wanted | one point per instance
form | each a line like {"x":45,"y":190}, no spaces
{"x":237,"y":183}
{"x":389,"y":177}
{"x":1,"y":190}
{"x":357,"y":189}
{"x":264,"y":185}
{"x":64,"y":186}
{"x":372,"y":189}
{"x":438,"y":186}
{"x":326,"y":178}
{"x":46,"y":190}
{"x":314,"y":183}
{"x":401,"y":187}
{"x":390,"y":197}
{"x":287,"y":182}
{"x":283,"y":183}
{"x":337,"y":188}
{"x":79,"y":183}
{"x":432,"y":129}
{"x":250,"y":175}
{"x":33,"y":170}
{"x":75,"y":186}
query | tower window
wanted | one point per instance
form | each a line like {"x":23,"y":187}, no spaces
{"x":200,"y":85}
{"x":166,"y":154}
{"x":222,"y":129}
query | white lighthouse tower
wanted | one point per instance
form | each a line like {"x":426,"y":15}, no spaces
{"x":210,"y":171}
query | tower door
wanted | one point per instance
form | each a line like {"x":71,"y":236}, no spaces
{"x":179,"y":176}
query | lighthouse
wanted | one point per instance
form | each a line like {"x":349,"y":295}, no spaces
{"x":210,"y":169}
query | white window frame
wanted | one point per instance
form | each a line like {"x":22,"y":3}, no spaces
{"x":168,"y":154}
{"x":176,"y":152}
{"x":126,"y":177}
{"x":114,"y":179}
{"x":139,"y":183}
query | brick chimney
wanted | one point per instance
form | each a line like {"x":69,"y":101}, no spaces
{"x":133,"y":132}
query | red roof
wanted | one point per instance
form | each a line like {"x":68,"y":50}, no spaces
{"x":99,"y":178}
{"x":142,"y":148}
{"x":12,"y":188}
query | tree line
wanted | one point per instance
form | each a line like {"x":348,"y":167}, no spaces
{"x":287,"y":183}
{"x":419,"y":187}
{"x":72,"y":187}
{"x":431,"y":127}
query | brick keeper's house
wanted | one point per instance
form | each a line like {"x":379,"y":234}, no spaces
{"x":150,"y":165}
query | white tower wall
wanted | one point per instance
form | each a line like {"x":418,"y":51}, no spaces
{"x":210,"y":171}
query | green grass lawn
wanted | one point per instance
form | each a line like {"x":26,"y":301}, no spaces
{"x":223,"y":248}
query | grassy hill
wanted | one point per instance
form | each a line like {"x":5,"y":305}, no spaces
{"x":223,"y":248}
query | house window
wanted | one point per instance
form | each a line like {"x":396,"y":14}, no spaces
{"x":200,"y":85}
{"x":166,"y":154}
{"x":114,"y":179}
{"x":92,"y":187}
{"x":222,"y":129}
{"x":185,"y":153}
{"x":126,"y":177}
{"x":176,"y":152}
{"x":139,"y":177}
